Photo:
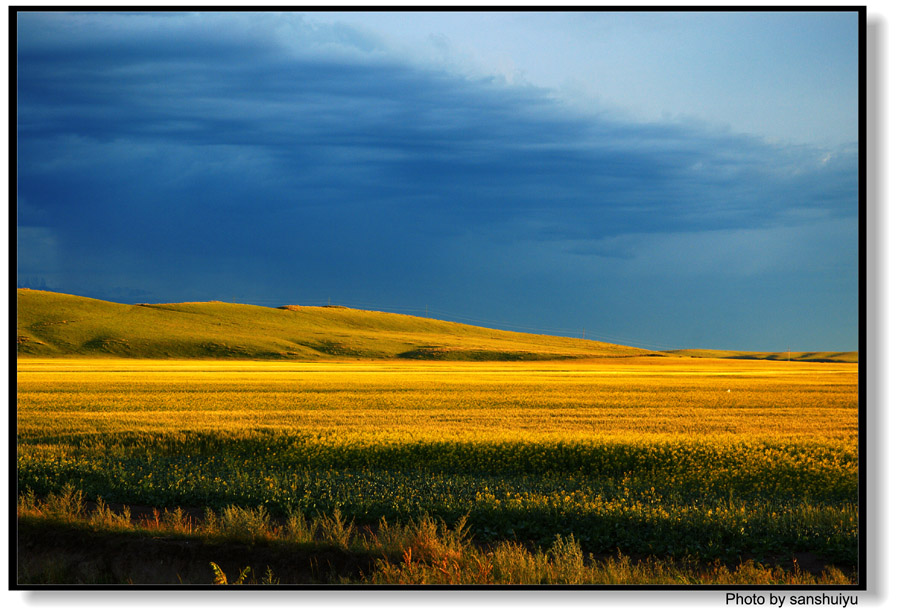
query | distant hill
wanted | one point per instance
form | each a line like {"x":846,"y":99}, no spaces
{"x":53,"y":324}
{"x":798,"y":356}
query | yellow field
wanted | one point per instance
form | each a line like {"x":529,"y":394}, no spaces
{"x":665,"y":397}
{"x":676,"y":457}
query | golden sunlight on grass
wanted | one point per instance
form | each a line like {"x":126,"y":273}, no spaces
{"x":694,"y":461}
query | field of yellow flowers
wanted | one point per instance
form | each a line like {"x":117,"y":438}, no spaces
{"x":668,"y":458}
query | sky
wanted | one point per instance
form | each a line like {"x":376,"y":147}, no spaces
{"x":665,"y":180}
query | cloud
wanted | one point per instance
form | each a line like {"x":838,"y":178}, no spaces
{"x":191,"y":151}
{"x":823,"y":246}
{"x":37,"y":253}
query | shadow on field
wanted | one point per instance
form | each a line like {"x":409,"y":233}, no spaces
{"x":78,"y":555}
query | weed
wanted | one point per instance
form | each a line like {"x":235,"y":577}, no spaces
{"x":241,"y":523}
{"x":103,"y":516}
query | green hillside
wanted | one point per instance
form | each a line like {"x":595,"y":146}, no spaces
{"x":53,"y":324}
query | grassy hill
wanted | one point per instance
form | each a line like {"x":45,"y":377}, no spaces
{"x":799,"y":356}
{"x":53,"y":324}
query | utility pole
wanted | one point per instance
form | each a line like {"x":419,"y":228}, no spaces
{"x":426,"y":310}
{"x":582,"y":334}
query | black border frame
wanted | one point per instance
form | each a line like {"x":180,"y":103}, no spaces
{"x":862,"y":178}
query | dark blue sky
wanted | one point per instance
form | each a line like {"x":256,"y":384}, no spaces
{"x":278,"y":159}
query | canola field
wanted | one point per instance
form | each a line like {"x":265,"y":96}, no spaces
{"x":676,"y":458}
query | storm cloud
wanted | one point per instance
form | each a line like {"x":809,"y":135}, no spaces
{"x":269,"y":159}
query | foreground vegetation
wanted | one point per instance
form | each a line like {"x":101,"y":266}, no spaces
{"x":684,"y":464}
{"x":330,"y":549}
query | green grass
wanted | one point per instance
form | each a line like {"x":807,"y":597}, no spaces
{"x":65,"y":542}
{"x":705,"y":500}
{"x":52,"y":324}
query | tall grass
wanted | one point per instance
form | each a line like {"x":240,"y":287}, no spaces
{"x":423,"y":551}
